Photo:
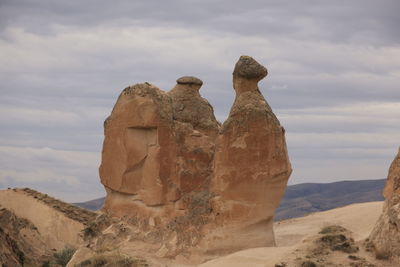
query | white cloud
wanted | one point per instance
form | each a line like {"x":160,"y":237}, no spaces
{"x":72,"y":172}
{"x":325,"y":170}
{"x":38,"y":176}
{"x":46,"y":154}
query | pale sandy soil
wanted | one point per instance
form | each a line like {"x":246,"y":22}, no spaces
{"x":55,"y":228}
{"x":295,"y":236}
{"x":358,"y":218}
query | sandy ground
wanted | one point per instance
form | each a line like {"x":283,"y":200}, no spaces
{"x":53,"y":226}
{"x":293,"y":234}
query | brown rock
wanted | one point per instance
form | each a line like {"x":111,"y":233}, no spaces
{"x":392,"y":186}
{"x":251,"y":163}
{"x":182,"y":179}
{"x":189,"y":107}
{"x":190,"y":80}
{"x":386,"y":234}
{"x":248,"y":68}
{"x":158,"y":146}
{"x":136,"y":157}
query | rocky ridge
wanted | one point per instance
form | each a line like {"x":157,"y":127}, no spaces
{"x":39,"y":230}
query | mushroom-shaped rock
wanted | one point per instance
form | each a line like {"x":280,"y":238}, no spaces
{"x":246,"y":75}
{"x":248,"y":68}
{"x":189,"y":80}
{"x":251,"y":163}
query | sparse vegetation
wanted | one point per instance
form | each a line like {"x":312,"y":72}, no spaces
{"x":332,"y":229}
{"x":64,"y":256}
{"x":90,"y":230}
{"x":334,"y":237}
{"x":368,"y":245}
{"x":308,"y":264}
{"x":354,"y":258}
{"x":382,"y":255}
{"x":95,"y":227}
{"x":112,"y":261}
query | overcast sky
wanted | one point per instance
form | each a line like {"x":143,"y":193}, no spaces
{"x":334,"y":75}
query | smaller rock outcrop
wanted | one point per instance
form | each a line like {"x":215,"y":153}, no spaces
{"x":20,"y":242}
{"x":385,"y":237}
{"x":189,"y":107}
{"x":38,"y":230}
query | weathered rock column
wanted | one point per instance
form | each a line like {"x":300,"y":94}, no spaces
{"x":251,"y":163}
{"x":385,"y":236}
{"x":158,"y":150}
{"x":138,"y":152}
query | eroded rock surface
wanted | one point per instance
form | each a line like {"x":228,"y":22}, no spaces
{"x":172,"y":171}
{"x":158,"y":149}
{"x":385,"y":237}
{"x":251,"y":162}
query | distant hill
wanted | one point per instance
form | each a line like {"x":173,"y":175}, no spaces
{"x":302,"y":199}
{"x":94,"y":204}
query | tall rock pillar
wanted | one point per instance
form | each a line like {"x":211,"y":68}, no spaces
{"x":251,"y":163}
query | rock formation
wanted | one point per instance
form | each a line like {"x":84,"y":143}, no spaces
{"x":185,"y":180}
{"x":251,"y":166}
{"x":158,"y":148}
{"x":385,"y":237}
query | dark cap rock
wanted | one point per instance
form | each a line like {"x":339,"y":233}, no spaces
{"x":248,"y":68}
{"x":189,"y":80}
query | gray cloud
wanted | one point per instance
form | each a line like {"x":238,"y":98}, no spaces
{"x":333,"y":78}
{"x":366,"y":21}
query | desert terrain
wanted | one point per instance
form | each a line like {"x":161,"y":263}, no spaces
{"x":296,"y":239}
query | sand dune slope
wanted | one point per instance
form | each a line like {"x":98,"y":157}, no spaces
{"x":54,"y":226}
{"x":296,"y":236}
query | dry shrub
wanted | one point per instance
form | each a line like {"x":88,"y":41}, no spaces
{"x":64,"y":256}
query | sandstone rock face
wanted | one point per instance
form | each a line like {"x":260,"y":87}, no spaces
{"x":251,"y":162}
{"x":158,"y":146}
{"x":186,"y":181}
{"x":385,"y":237}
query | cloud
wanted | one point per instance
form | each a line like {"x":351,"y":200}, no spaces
{"x":339,"y":21}
{"x":333,"y":77}
{"x":323,"y":170}
{"x":358,"y":118}
{"x":51,"y":171}
{"x":37,"y":176}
